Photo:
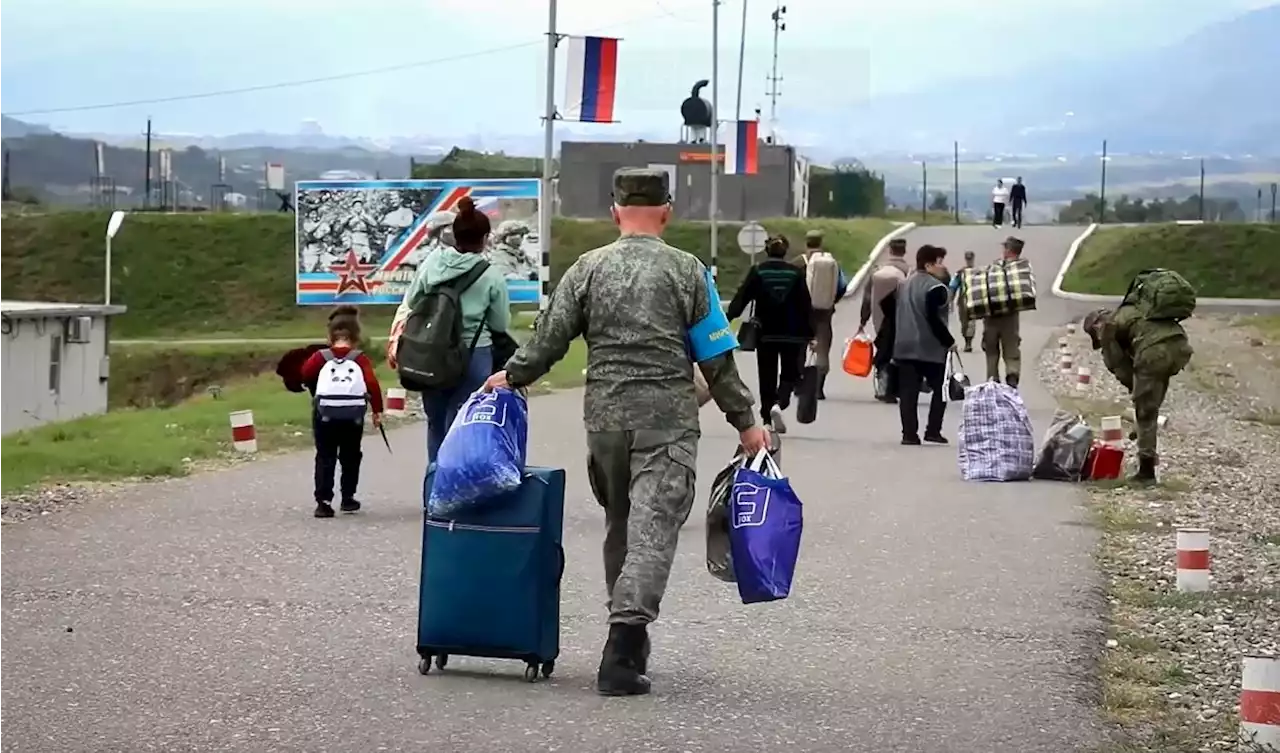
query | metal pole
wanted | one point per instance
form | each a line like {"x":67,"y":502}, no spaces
{"x":106,"y":291}
{"x":1102,"y":199}
{"x":546,"y":200}
{"x":1259,"y":212}
{"x":146,"y":196}
{"x":1202,"y":189}
{"x":924,"y":193}
{"x":1273,"y":202}
{"x":956,"y":198}
{"x":773,"y":78}
{"x":715,"y":132}
{"x":742,"y":57}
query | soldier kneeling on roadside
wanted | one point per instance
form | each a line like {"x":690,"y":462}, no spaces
{"x":1144,"y":345}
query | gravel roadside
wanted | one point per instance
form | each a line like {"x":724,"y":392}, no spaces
{"x":1171,"y":672}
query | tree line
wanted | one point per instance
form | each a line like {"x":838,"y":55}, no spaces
{"x":1125,"y":209}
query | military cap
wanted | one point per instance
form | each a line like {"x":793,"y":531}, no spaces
{"x":641,"y":187}
{"x":1013,"y":244}
{"x":813,"y":235}
{"x":1092,"y":319}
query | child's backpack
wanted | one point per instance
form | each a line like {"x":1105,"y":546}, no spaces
{"x":431,"y":354}
{"x":1161,"y":294}
{"x":822,"y":276}
{"x":341,"y":394}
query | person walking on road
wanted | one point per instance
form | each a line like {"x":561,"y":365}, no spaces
{"x":1017,"y":200}
{"x":968,"y":327}
{"x":921,"y":345}
{"x":785,"y":313}
{"x":485,"y":308}
{"x":1001,"y":333}
{"x":822,"y":277}
{"x":643,"y":308}
{"x":999,"y":199}
{"x":881,"y":284}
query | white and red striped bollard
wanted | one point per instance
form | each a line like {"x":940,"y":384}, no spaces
{"x":1066,"y":364}
{"x":1071,"y":328}
{"x":395,"y":401}
{"x":1112,"y":429}
{"x":1260,"y":701}
{"x":1064,"y":344}
{"x":1193,"y":559}
{"x":244,"y":438}
{"x":1083,"y":378}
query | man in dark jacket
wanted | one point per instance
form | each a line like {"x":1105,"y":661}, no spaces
{"x":784,"y":310}
{"x":922,"y":342}
{"x":1018,"y":200}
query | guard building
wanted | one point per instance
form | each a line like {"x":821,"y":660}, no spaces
{"x":55,"y":361}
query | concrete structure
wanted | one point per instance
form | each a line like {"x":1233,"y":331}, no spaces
{"x":779,"y":189}
{"x":55,"y":361}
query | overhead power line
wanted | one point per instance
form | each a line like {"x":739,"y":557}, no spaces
{"x":294,"y":83}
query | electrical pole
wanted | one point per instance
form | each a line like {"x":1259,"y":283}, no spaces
{"x":779,"y":25}
{"x":1102,"y":199}
{"x":146,"y":196}
{"x":1202,"y":189}
{"x":715,"y":133}
{"x":956,"y":198}
{"x":924,"y":192}
{"x":742,"y":57}
{"x":547,"y":200}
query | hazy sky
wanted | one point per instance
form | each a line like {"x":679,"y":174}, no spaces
{"x":71,"y":53}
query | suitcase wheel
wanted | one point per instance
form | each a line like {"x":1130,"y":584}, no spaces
{"x":531,"y":672}
{"x":547,"y":668}
{"x":424,"y":665}
{"x":442,"y":661}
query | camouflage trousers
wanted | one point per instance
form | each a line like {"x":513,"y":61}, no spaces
{"x":822,"y":339}
{"x":1001,"y":337}
{"x":644,"y":480}
{"x":968,"y":327}
{"x":1148,"y":396}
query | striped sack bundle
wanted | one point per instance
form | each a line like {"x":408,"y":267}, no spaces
{"x":1003,"y":287}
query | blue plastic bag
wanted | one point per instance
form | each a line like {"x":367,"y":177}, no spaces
{"x":766,"y":519}
{"x":483,"y":454}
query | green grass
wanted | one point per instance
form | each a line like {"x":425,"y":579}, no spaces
{"x":194,"y":433}
{"x":226,"y":275}
{"x":1220,"y":260}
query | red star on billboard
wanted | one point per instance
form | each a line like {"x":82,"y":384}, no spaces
{"x":351,"y":274}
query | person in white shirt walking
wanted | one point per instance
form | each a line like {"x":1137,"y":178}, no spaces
{"x":999,"y":198}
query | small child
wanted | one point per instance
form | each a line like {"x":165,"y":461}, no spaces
{"x":345,"y":385}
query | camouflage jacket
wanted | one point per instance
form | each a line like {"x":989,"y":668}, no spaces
{"x":633,"y":301}
{"x":1131,"y":343}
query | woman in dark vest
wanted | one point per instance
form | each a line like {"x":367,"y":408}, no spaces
{"x":922,"y":343}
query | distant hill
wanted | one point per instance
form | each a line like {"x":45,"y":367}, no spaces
{"x":1213,"y":92}
{"x":60,"y":169}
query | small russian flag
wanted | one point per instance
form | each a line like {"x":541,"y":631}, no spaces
{"x":591,"y":79}
{"x":742,"y":148}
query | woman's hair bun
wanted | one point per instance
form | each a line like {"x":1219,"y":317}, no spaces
{"x":338,"y":311}
{"x":466,"y":205}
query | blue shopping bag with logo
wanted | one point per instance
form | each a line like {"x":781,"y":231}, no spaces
{"x":766,"y":519}
{"x":483,"y":454}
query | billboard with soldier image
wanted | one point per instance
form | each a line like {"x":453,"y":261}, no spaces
{"x":362,"y":241}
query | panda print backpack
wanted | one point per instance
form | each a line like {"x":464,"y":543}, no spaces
{"x":341,"y":394}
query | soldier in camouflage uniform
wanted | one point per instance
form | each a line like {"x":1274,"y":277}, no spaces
{"x":1143,"y":354}
{"x":635,"y":302}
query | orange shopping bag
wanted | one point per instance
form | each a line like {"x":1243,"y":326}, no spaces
{"x":858,"y":352}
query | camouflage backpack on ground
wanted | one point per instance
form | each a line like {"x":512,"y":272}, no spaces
{"x":1161,"y":294}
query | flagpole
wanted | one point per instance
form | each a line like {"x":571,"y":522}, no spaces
{"x":742,"y":58}
{"x":546,"y":201}
{"x":715,"y":129}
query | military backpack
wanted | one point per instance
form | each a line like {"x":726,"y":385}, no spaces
{"x":1161,"y":294}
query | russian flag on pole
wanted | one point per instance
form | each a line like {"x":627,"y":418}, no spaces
{"x":742,"y":148}
{"x":591,"y":79}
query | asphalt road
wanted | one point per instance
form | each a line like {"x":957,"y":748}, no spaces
{"x":214,"y":614}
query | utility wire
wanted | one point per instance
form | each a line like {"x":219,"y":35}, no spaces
{"x":320,"y":79}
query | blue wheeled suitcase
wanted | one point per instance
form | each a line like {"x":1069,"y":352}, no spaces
{"x":490,"y":582}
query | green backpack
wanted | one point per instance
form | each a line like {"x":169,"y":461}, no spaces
{"x":1161,"y":294}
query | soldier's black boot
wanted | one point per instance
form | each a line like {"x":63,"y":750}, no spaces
{"x":1146,"y":471}
{"x":620,"y":665}
{"x":643,"y":662}
{"x":1011,"y":380}
{"x":968,"y":345}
